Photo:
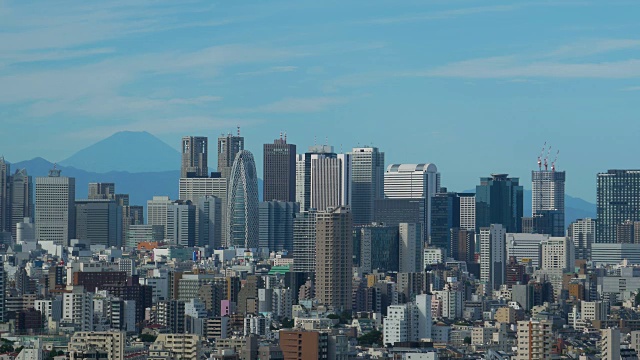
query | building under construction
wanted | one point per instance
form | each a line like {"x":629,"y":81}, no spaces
{"x":547,"y":197}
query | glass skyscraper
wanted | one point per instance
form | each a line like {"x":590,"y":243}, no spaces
{"x":242,"y":202}
{"x":618,"y":200}
{"x":499,"y":200}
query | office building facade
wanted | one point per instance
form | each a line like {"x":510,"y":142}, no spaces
{"x":195,"y":151}
{"x":618,"y":200}
{"x":367,"y":176}
{"x":499,"y":200}
{"x":99,"y":221}
{"x":228,"y":147}
{"x":276,"y":225}
{"x":279,"y":174}
{"x":492,"y":255}
{"x":55,"y":216}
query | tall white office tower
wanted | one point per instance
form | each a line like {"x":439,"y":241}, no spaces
{"x":157,"y":210}
{"x":411,"y":248}
{"x":412,"y":181}
{"x":583,"y":234}
{"x":330,"y":181}
{"x":242,"y":203}
{"x":55,"y":208}
{"x":367,"y":182}
{"x":492,"y":255}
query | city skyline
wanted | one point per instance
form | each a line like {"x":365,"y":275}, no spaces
{"x":465,"y":83}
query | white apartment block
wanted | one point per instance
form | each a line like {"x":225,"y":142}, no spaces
{"x":411,"y":248}
{"x":408,"y":322}
{"x":557,"y":253}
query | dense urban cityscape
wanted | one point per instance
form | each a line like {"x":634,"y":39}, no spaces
{"x":347,"y":257}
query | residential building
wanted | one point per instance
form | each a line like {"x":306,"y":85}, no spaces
{"x":535,"y":340}
{"x":583,"y":234}
{"x":334,"y":258}
{"x":610,"y":344}
{"x":408,"y":322}
{"x":111,"y":344}
{"x":304,"y":241}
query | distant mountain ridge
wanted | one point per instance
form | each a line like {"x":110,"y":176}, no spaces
{"x":131,"y":151}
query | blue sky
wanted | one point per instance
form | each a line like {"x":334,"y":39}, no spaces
{"x":472,"y":86}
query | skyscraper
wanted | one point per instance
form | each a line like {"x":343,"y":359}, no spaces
{"x":209,"y":222}
{"x":467,"y":211}
{"x":367,"y":176}
{"x":99,"y":221}
{"x":157,"y":209}
{"x":102,"y":191}
{"x":547,"y":200}
{"x":411,"y":247}
{"x":492,"y":255}
{"x":303,"y":174}
{"x":412,"y":181}
{"x":304,"y":242}
{"x":334,"y":260}
{"x":194,"y":157}
{"x":276,"y":225}
{"x":330,"y":180}
{"x":181,"y":223}
{"x":21,"y":198}
{"x":193,"y":189}
{"x":379,"y":248}
{"x":279,"y":171}
{"x":5,"y":198}
{"x":583,"y":234}
{"x":499,"y":200}
{"x":618,"y":200}
{"x":228,"y":146}
{"x":55,"y":208}
{"x":242,"y":202}
{"x":445,"y":215}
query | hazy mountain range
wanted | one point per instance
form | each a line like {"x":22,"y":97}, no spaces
{"x":143,"y":166}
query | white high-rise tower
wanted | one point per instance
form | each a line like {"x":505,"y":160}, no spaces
{"x":55,"y":208}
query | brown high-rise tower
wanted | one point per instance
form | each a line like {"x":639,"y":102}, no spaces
{"x":334,"y":262}
{"x":279,"y":171}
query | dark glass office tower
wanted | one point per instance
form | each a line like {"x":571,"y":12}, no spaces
{"x":499,"y":200}
{"x":618,"y":200}
{"x":279,"y":171}
{"x":445,"y":215}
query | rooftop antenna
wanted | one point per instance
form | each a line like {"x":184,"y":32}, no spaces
{"x":238,"y":130}
{"x":280,"y":135}
{"x":326,"y":141}
{"x":540,"y":156}
{"x":315,"y":139}
{"x":546,"y":164}
{"x":553,"y":164}
{"x":285,"y":137}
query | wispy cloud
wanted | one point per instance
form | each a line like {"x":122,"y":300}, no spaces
{"x":294,"y":105}
{"x":443,"y":14}
{"x":631,"y":88}
{"x":271,"y":70}
{"x":593,"y":47}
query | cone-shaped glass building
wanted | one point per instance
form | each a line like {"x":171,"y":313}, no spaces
{"x":242,"y":202}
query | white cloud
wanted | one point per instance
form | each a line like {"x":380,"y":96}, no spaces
{"x":593,"y":47}
{"x":631,"y":88}
{"x":271,"y":70}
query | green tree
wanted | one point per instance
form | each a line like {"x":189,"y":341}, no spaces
{"x":148,"y":338}
{"x":370,"y":338}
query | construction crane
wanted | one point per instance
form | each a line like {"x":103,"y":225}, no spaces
{"x":547,"y":158}
{"x":553,"y":164}
{"x":540,"y":156}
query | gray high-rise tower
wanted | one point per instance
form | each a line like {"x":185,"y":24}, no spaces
{"x":5,"y":198}
{"x":55,"y":208}
{"x":228,"y":147}
{"x":242,"y":202}
{"x":21,"y":198}
{"x":279,"y":169}
{"x":367,"y":176}
{"x":194,"y":157}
